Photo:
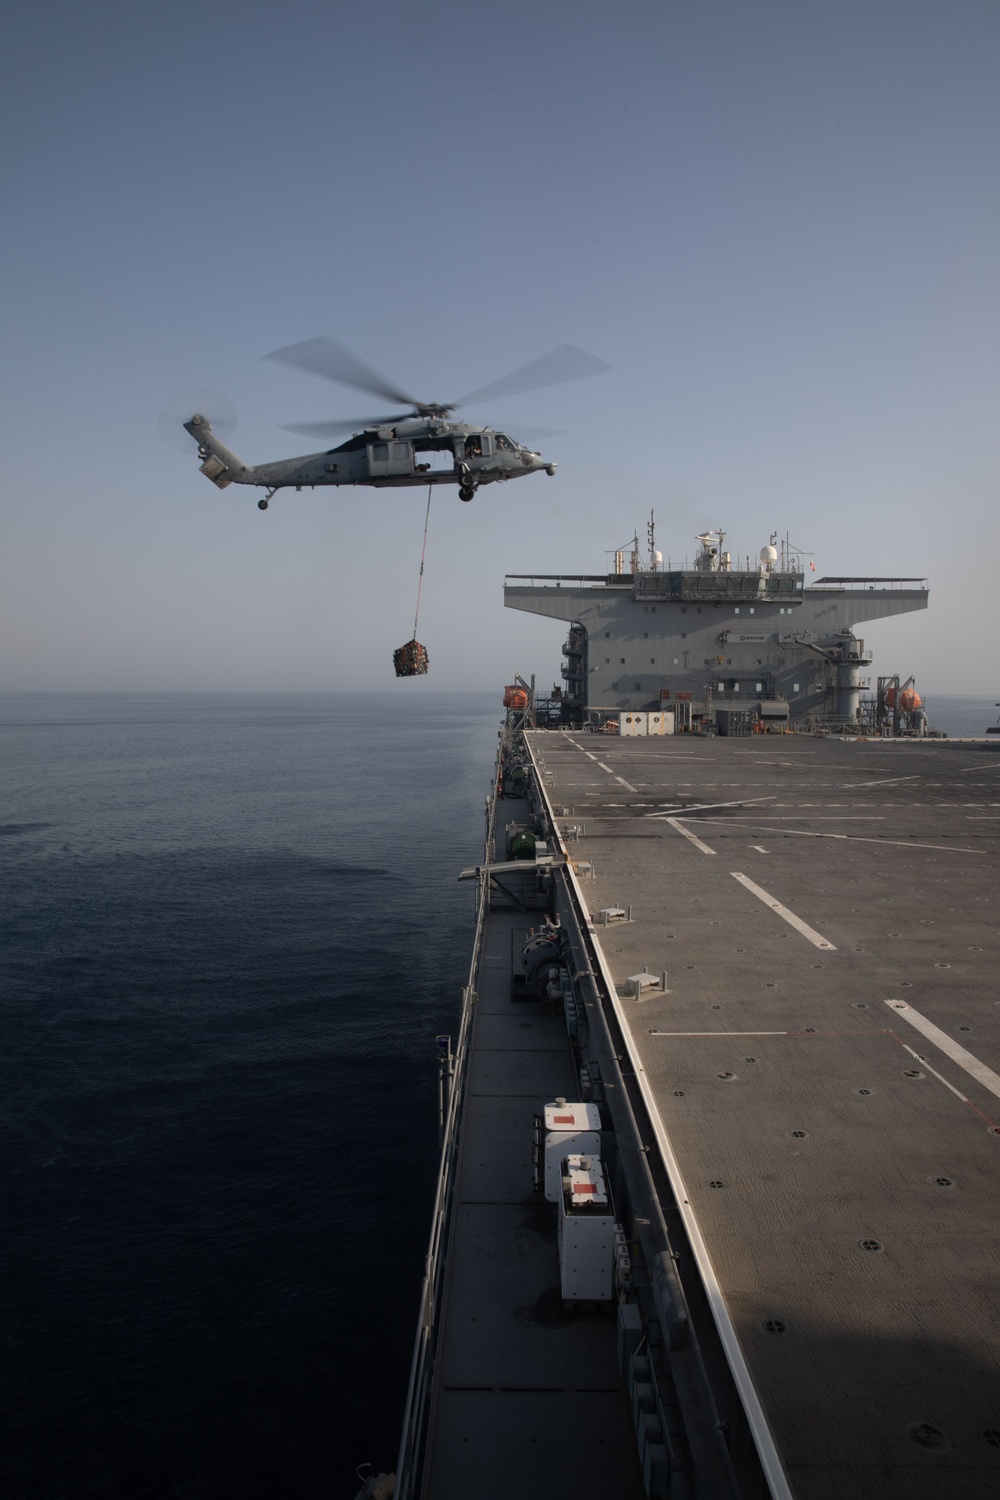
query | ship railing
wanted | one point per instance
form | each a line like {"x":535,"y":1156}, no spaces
{"x":412,"y":1448}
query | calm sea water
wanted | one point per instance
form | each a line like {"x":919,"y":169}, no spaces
{"x":962,"y":717}
{"x":231,"y":931}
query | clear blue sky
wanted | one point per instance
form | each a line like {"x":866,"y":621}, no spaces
{"x":777,"y":221}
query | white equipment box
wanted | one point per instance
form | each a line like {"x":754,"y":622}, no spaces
{"x":586,"y":1232}
{"x":569,"y":1117}
{"x":559,"y":1145}
{"x":568,"y":1129}
{"x":634,"y":724}
{"x":660,"y":723}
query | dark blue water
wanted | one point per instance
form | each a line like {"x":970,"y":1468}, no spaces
{"x":231,"y":931}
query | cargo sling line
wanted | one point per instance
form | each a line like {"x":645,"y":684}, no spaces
{"x":423,"y":554}
{"x":411,"y":659}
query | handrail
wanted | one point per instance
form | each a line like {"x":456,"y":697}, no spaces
{"x":413,"y":1438}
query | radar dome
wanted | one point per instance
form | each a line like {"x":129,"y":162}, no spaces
{"x":769,"y":554}
{"x":656,"y":557}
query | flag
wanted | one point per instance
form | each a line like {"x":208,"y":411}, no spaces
{"x":812,"y":565}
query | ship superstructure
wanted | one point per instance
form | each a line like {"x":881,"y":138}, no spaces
{"x":716,"y":634}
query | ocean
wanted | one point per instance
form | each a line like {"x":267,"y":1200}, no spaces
{"x":231,"y":933}
{"x":232,"y":929}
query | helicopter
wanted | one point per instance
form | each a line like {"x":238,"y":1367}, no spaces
{"x":395,"y":450}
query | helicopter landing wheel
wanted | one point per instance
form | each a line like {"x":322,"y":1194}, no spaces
{"x":466,"y":492}
{"x":262,"y":505}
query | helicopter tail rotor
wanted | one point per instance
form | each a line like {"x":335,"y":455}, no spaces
{"x":219,"y":464}
{"x":213,"y":405}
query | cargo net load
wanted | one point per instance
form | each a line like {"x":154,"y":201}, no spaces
{"x":410,"y":660}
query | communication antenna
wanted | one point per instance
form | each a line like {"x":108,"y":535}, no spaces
{"x":655,"y":558}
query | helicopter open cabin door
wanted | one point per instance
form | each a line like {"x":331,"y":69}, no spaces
{"x":389,"y":457}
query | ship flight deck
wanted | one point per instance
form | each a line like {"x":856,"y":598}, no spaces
{"x":821,"y":1074}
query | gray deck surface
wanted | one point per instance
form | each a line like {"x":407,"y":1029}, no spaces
{"x":801,"y":1124}
{"x":527,"y":1403}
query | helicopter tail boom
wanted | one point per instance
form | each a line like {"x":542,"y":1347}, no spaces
{"x":219,"y":464}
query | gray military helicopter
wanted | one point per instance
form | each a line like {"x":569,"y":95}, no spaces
{"x":398,"y":449}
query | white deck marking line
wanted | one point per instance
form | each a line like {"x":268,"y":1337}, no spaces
{"x":975,"y":1069}
{"x":853,"y":838}
{"x":814,"y":937}
{"x":823,"y":817}
{"x":759,"y":849}
{"x":939,"y":1076}
{"x":720,"y":1033}
{"x":627,"y":784}
{"x":884,"y":781}
{"x":686,"y":807}
{"x":604,"y":767}
{"x":676,"y":824}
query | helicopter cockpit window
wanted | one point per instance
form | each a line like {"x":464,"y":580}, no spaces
{"x":504,"y":444}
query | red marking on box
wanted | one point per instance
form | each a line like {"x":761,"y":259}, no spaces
{"x":584,"y":1187}
{"x":564,"y":1119}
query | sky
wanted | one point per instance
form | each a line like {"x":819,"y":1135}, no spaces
{"x":777,"y":222}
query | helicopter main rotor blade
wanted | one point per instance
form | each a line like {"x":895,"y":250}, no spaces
{"x":565,"y":363}
{"x":337,"y":427}
{"x":323,"y":356}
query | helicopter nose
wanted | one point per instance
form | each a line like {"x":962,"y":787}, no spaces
{"x":550,"y":469}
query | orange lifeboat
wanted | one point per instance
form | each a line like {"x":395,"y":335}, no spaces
{"x":515,"y":697}
{"x":909,"y":699}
